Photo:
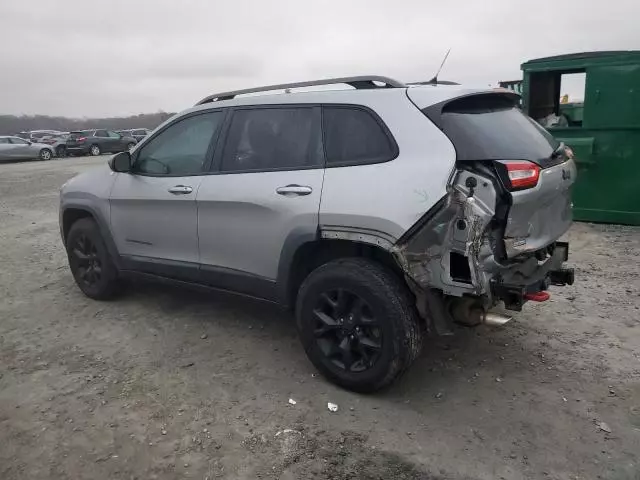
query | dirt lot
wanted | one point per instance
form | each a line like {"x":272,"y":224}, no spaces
{"x":167,"y":383}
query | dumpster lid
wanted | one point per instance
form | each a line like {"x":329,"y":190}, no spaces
{"x":583,"y":57}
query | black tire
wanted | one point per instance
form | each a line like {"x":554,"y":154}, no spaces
{"x":384,"y":301}
{"x":95,"y":150}
{"x":61,"y":151}
{"x":45,"y":154}
{"x":90,"y":262}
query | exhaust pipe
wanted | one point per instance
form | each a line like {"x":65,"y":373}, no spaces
{"x":496,"y":319}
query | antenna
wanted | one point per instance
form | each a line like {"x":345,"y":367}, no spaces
{"x":434,"y":80}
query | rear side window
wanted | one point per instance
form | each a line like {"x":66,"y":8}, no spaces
{"x":491,"y":127}
{"x":101,"y":133}
{"x":272,"y":139}
{"x":354,"y":136}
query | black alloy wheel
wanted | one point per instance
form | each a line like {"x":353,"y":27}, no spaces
{"x":87,"y":262}
{"x":358,"y":323}
{"x":93,"y":268}
{"x":347,"y":331}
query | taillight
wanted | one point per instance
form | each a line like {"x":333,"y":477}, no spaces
{"x":81,"y":139}
{"x":522,"y":174}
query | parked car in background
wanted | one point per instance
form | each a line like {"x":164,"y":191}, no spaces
{"x":58,"y":142}
{"x":137,"y":133}
{"x":16,"y":148}
{"x":96,"y":142}
{"x":38,"y":135}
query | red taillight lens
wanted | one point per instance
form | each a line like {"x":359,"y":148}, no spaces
{"x":522,"y":174}
{"x":81,"y":139}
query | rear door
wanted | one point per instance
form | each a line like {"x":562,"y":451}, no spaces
{"x":153,"y":208}
{"x":265,"y":191}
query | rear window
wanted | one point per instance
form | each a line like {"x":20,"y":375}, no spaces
{"x":355,"y":136}
{"x":492,"y":127}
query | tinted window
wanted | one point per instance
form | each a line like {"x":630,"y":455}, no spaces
{"x":354,"y":135}
{"x":272,"y":138}
{"x":139,"y":132}
{"x":180,"y":149}
{"x":80,"y":133}
{"x":490,"y":127}
{"x":113,"y":134}
{"x":4,"y":140}
{"x":18,"y":141}
{"x":101,"y":133}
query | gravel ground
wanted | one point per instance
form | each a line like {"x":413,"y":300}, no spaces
{"x":170,"y":383}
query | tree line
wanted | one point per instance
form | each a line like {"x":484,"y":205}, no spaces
{"x":12,"y":124}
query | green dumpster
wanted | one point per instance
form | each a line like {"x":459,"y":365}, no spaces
{"x":603,"y":130}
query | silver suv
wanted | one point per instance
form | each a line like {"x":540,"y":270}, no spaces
{"x":378,"y":212}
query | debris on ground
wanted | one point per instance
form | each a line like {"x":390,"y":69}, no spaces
{"x":332,"y":407}
{"x":292,"y":401}
{"x":204,"y":336}
{"x":604,"y":427}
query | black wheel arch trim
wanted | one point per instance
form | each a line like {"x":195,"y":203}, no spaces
{"x":296,"y":239}
{"x":105,"y":233}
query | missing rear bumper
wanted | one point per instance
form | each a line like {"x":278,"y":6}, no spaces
{"x":515,"y":285}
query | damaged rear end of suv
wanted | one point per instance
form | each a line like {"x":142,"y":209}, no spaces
{"x":495,"y":236}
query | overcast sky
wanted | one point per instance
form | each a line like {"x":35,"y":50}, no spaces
{"x":87,"y":58}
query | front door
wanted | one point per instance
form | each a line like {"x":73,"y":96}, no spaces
{"x":153,"y":208}
{"x":265,"y":192}
{"x":21,"y":148}
{"x":117,"y":142}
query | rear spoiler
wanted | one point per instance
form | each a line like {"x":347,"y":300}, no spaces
{"x":434,"y":112}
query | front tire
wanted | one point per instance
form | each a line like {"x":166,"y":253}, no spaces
{"x":45,"y":154}
{"x":61,"y":151}
{"x":95,"y":150}
{"x":90,"y":262}
{"x":358,"y":324}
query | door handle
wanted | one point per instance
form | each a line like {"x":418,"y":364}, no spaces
{"x":181,"y":190}
{"x":293,"y":189}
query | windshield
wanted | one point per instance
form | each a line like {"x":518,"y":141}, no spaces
{"x":491,"y":127}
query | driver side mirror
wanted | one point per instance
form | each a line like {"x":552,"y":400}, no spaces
{"x":121,"y":162}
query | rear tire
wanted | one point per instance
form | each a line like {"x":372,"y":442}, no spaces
{"x":45,"y":154}
{"x":90,"y":262}
{"x":364,"y":336}
{"x":61,"y":151}
{"x":95,"y":150}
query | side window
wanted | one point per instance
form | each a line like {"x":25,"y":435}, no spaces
{"x":101,"y":133}
{"x":272,"y":138}
{"x":4,"y":140}
{"x":181,"y":149}
{"x":113,"y":134}
{"x":18,"y":141}
{"x":353,"y":135}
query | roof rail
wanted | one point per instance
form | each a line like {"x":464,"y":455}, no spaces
{"x":361,"y":82}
